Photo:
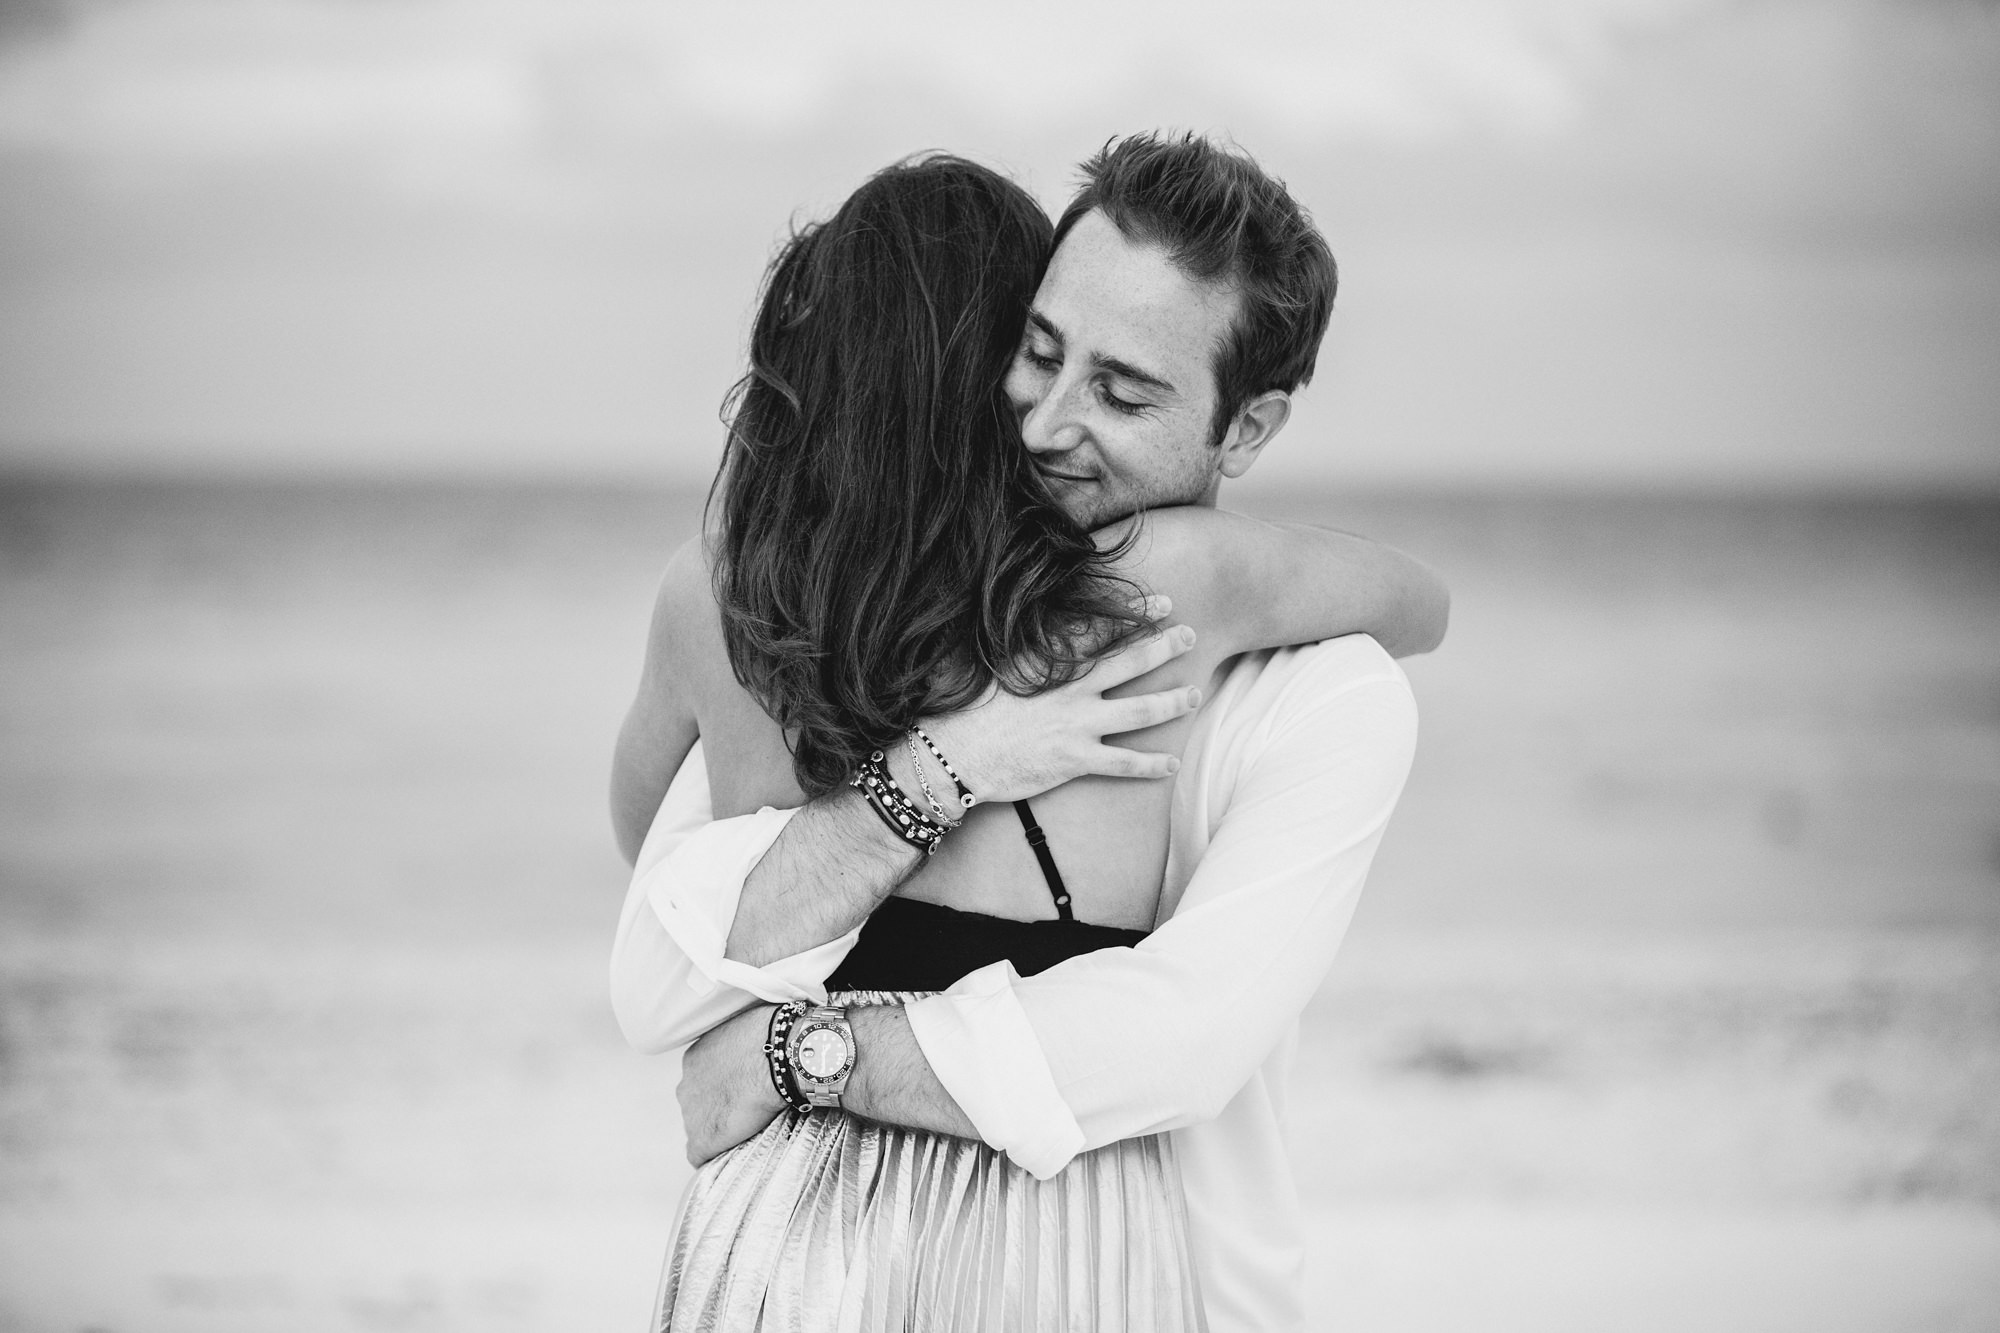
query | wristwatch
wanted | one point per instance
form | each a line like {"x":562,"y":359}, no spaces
{"x":820,"y":1051}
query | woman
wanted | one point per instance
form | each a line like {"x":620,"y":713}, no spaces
{"x":882,"y":551}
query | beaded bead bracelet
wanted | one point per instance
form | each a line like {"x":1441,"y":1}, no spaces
{"x":782,"y":1019}
{"x":893,"y":806}
{"x":965,"y":796}
{"x":938,"y":812}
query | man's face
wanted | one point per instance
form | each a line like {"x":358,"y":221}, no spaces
{"x":1115,"y":379}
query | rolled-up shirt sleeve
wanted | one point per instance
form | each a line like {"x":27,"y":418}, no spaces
{"x":1125,"y":1042}
{"x":669,"y":979}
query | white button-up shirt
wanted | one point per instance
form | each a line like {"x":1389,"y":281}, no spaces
{"x":1286,"y":785}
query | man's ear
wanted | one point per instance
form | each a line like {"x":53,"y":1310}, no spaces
{"x":1254,"y":427}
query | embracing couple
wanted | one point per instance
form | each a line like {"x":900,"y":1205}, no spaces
{"x":997,"y":801}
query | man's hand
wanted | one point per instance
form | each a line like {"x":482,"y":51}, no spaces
{"x":1007,"y":748}
{"x":725,"y":1091}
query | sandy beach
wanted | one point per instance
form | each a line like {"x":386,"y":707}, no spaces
{"x":1675,"y":1002}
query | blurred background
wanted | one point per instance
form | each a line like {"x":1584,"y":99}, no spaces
{"x":360,"y":363}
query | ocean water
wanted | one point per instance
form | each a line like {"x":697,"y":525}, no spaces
{"x":1685,"y":945}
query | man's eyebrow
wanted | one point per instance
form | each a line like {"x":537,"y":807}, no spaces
{"x":1122,"y":369}
{"x":1126,"y":370}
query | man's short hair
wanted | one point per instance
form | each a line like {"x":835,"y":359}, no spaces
{"x":1221,"y":218}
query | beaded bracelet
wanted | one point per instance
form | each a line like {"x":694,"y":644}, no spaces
{"x":893,"y":806}
{"x":930,"y":797}
{"x":782,"y":1019}
{"x":965,"y":796}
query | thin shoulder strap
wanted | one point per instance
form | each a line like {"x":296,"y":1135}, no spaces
{"x":1040,"y":842}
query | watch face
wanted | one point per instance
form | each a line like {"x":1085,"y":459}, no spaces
{"x":823,"y":1053}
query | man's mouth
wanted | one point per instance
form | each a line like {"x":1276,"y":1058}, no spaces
{"x":1054,"y":475}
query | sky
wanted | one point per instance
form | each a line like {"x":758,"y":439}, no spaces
{"x":1629,"y":243}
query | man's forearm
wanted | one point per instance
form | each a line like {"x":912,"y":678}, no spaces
{"x":831,"y":867}
{"x":892,"y":1081}
{"x":726,"y":1093}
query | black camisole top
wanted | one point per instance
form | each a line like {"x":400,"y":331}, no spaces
{"x":909,"y":945}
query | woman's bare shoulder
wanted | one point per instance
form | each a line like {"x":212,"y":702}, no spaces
{"x":684,"y":614}
{"x":687,"y":584}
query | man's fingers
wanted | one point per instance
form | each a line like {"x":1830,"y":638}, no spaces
{"x":1149,"y":710}
{"x":1112,"y":762}
{"x":1141,"y":655}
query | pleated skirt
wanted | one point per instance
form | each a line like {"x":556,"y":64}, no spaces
{"x":827,"y":1223}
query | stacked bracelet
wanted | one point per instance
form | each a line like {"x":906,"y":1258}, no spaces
{"x":775,"y":1041}
{"x":893,"y":806}
{"x":965,"y":796}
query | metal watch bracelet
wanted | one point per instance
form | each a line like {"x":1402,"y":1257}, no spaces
{"x":819,"y":1054}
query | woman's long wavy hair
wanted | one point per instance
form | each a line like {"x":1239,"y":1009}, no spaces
{"x":884,"y":547}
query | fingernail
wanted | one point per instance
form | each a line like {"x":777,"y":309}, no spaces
{"x":1194,"y":698}
{"x":1173,"y":765}
{"x":1187,"y":635}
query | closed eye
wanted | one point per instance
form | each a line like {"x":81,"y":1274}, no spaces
{"x":1123,"y":406}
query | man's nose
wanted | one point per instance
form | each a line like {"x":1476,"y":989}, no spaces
{"x":1050,"y":425}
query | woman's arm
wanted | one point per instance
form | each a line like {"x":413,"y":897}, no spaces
{"x":1246,"y":583}
{"x":660,"y":727}
{"x":1396,"y":599}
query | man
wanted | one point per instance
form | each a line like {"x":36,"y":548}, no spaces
{"x":1185,"y":302}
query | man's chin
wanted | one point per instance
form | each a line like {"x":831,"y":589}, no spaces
{"x":1079,"y":497}
{"x":1098,"y":509}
